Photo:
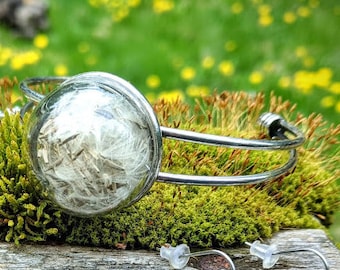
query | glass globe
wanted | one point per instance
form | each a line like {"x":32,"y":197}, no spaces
{"x":95,"y":144}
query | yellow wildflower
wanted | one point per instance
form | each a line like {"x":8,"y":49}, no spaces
{"x":133,"y":3}
{"x":327,"y":101}
{"x":188,"y":73}
{"x":226,"y":68}
{"x":208,"y":62}
{"x":120,"y":14}
{"x":266,"y":20}
{"x":5,"y":55}
{"x":197,"y":91}
{"x":61,"y":70}
{"x":237,"y":8}
{"x":323,"y":77}
{"x":172,"y":95}
{"x":284,"y":82}
{"x":17,"y":62}
{"x":289,"y":17}
{"x":301,"y":51}
{"x":40,"y":41}
{"x":113,"y":3}
{"x":94,"y":3}
{"x":161,"y":6}
{"x":256,"y":77}
{"x":337,"y":107}
{"x":303,"y":80}
{"x":303,"y":12}
{"x":153,"y":81}
{"x":31,"y":57}
{"x":264,"y":9}
{"x":335,"y":88}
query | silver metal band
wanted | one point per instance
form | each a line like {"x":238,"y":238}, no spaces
{"x":275,"y":124}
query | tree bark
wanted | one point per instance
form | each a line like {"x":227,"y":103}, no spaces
{"x":29,"y":256}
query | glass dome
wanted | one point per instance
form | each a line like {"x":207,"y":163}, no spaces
{"x":95,"y":144}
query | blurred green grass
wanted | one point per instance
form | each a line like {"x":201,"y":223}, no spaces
{"x":188,"y":48}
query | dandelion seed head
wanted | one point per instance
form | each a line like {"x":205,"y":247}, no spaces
{"x":93,"y":148}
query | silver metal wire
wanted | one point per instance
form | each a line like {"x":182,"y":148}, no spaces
{"x":293,"y":250}
{"x":213,"y":252}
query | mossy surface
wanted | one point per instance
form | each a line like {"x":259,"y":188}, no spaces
{"x":198,"y":216}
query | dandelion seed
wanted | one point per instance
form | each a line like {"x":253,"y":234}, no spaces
{"x":97,"y":161}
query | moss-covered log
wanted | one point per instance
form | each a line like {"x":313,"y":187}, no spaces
{"x":198,"y":216}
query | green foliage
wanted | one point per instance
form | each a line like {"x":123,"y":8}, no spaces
{"x":198,"y":216}
{"x":23,"y":213}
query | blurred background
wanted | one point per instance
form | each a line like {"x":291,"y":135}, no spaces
{"x":186,"y":49}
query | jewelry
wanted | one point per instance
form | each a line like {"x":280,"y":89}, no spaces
{"x":96,"y":144}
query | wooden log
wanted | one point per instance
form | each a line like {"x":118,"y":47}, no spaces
{"x":28,"y":256}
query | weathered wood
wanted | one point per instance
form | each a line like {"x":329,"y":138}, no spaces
{"x":74,"y":257}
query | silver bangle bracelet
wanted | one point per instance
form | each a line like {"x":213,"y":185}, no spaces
{"x":95,"y":143}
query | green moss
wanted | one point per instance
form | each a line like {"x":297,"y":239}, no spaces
{"x":198,"y":216}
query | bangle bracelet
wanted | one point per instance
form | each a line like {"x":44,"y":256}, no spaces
{"x":96,"y":145}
